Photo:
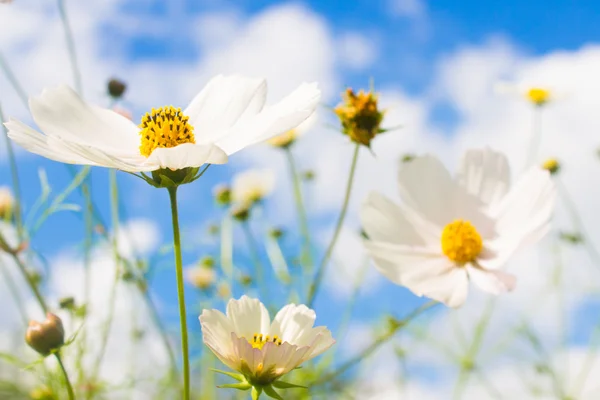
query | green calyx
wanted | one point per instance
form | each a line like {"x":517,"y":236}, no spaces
{"x":166,"y":178}
{"x":256,"y":389}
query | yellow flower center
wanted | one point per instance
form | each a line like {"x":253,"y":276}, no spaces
{"x":258,"y":340}
{"x":164,"y":127}
{"x":461,"y":242}
{"x":538,"y":96}
{"x":285,"y":139}
{"x":552,"y":165}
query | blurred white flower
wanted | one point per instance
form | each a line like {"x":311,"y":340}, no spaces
{"x":201,"y":276}
{"x":286,"y":139}
{"x":226,"y":116}
{"x":251,"y":186}
{"x":449,"y":231}
{"x":248,"y":342}
{"x":538,"y":95}
{"x":7,"y":202}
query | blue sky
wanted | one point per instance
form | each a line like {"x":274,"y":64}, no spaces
{"x":409,"y":44}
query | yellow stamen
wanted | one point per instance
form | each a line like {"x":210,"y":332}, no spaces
{"x":538,"y":96}
{"x":461,"y":242}
{"x":258,"y":340}
{"x":164,"y":127}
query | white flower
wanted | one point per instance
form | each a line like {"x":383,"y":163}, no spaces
{"x":226,"y":116}
{"x":449,"y":231}
{"x":200,"y":276}
{"x":247,"y":341}
{"x":536,"y":94}
{"x":253,"y":185}
{"x":287,"y":138}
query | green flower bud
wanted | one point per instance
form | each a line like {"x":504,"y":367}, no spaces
{"x":116,"y":88}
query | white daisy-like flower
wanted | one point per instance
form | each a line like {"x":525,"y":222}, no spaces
{"x":201,"y":276}
{"x":226,"y":116}
{"x":286,"y":139}
{"x":536,"y":94}
{"x":449,"y":231}
{"x":252,"y":186}
{"x":246,"y":340}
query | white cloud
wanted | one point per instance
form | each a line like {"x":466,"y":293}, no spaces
{"x":356,"y":51}
{"x":416,"y":9}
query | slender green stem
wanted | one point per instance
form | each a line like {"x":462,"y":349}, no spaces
{"x":258,"y":266}
{"x":314,"y":288}
{"x":31,"y":283}
{"x":10,"y":76}
{"x":114,"y":206}
{"x":15,"y":177}
{"x":66,"y":376}
{"x":302,"y":218}
{"x":536,"y":137}
{"x":70,"y":45}
{"x":180,"y":293}
{"x":14,"y":291}
{"x":376,"y":344}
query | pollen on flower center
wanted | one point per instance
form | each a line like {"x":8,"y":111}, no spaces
{"x":259,"y":340}
{"x":538,"y":96}
{"x":461,"y":242}
{"x":164,"y":127}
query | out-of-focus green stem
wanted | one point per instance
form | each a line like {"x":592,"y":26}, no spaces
{"x":30,"y":282}
{"x":14,"y":291}
{"x":14,"y":82}
{"x":70,"y":45}
{"x":314,"y":287}
{"x":180,"y":293}
{"x":376,"y":344}
{"x":258,"y":266}
{"x":15,"y":177}
{"x":536,"y":137}
{"x":66,"y":376}
{"x":302,"y":218}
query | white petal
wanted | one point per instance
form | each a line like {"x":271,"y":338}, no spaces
{"x":248,"y":317}
{"x":399,"y":263}
{"x":320,"y":340}
{"x":68,"y":152}
{"x":450,"y":287}
{"x":427,"y":187}
{"x":60,"y":112}
{"x":292,"y":323}
{"x":216,"y":334}
{"x":272,"y":120}
{"x":494,"y":282}
{"x":384,"y":221}
{"x":485,"y":174}
{"x":186,"y":155}
{"x":222,"y":102}
{"x":524,"y":214}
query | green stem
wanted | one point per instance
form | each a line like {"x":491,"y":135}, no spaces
{"x":31,"y":283}
{"x":70,"y":45}
{"x":114,"y":205}
{"x":314,"y":288}
{"x":302,"y":218}
{"x":376,"y":344}
{"x":536,"y":138}
{"x":15,"y":177}
{"x":14,"y":291}
{"x":180,"y":293}
{"x":258,"y":266}
{"x":66,"y":376}
{"x":10,"y":76}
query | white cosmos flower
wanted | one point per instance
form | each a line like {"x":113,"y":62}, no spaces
{"x":537,"y":94}
{"x":449,"y":231}
{"x":287,"y":138}
{"x":247,"y":341}
{"x":253,"y":185}
{"x":226,"y":116}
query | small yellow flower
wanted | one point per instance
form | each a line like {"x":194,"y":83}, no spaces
{"x":201,"y":277}
{"x":41,"y":393}
{"x":360,"y":116}
{"x":288,"y":138}
{"x":551,"y":165}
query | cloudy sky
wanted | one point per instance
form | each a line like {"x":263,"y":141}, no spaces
{"x":436,"y":65}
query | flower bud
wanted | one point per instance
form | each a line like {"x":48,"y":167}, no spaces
{"x":45,"y":336}
{"x":7,"y":203}
{"x":66,"y":303}
{"x":308,"y":175}
{"x":276,"y":233}
{"x":246,"y":280}
{"x":207,"y":261}
{"x":406,"y":158}
{"x":222,"y":195}
{"x":213,"y":229}
{"x":116,"y":88}
{"x":551,"y":165}
{"x":360,"y":117}
{"x":240,"y":212}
